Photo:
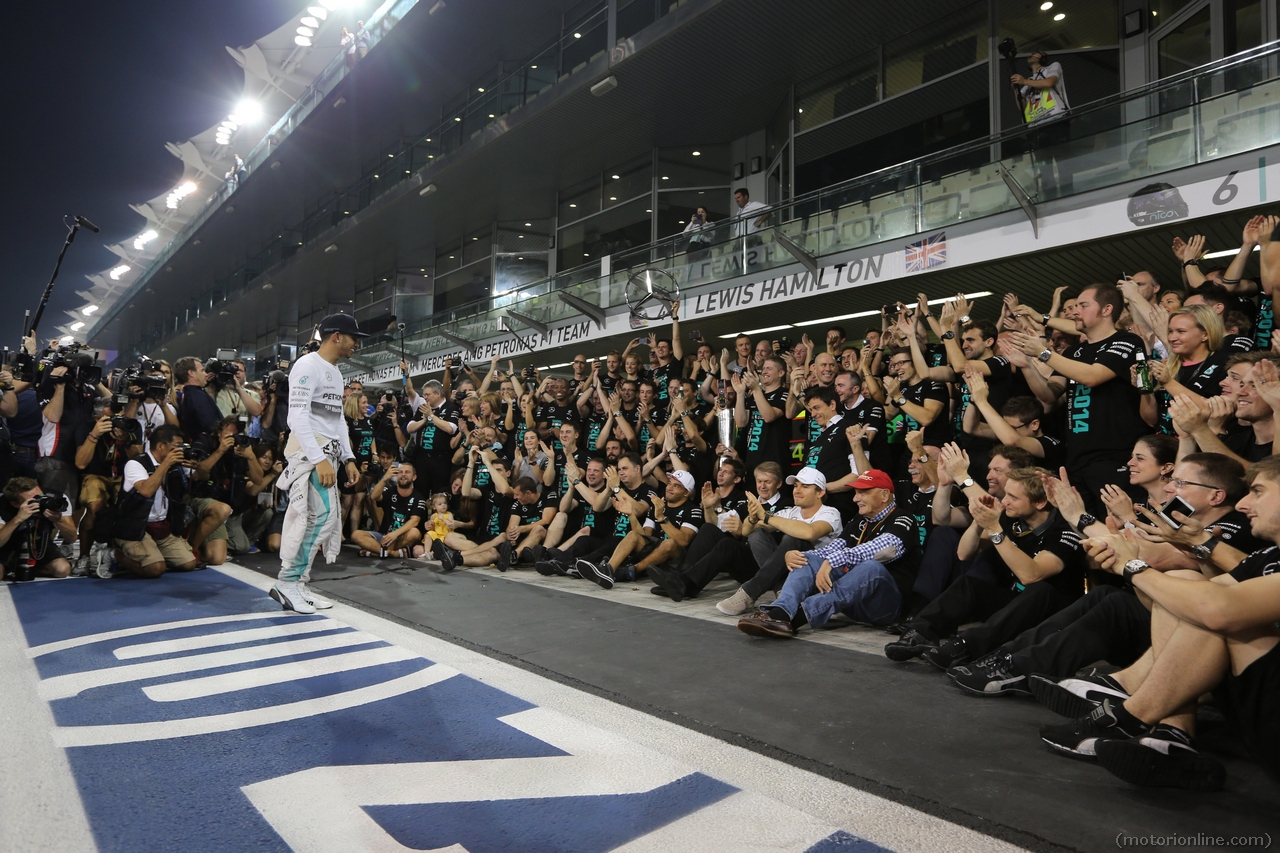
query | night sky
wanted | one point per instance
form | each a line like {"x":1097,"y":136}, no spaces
{"x":94,"y":91}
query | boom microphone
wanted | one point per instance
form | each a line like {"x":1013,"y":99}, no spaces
{"x":84,"y":223}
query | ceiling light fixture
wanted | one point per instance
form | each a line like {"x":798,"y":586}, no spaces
{"x":144,"y":238}
{"x":88,"y":309}
{"x":119,"y":271}
{"x":1046,"y":6}
{"x":1059,"y":16}
{"x":302,"y":41}
{"x":318,"y":12}
{"x":305,"y":31}
{"x":308,"y":21}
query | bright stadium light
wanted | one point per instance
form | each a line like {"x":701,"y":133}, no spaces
{"x":179,"y":193}
{"x":308,"y":21}
{"x":119,"y":271}
{"x":75,"y":327}
{"x":305,"y":31}
{"x":318,"y":11}
{"x":88,"y":309}
{"x":144,"y":238}
{"x":302,"y":41}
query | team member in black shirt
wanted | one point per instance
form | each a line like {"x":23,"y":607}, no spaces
{"x":1145,"y":738}
{"x":562,"y":408}
{"x":1015,"y":423}
{"x":531,"y":515}
{"x":857,"y":409}
{"x":922,"y":402}
{"x":1102,"y":405}
{"x":1043,"y":568}
{"x":585,"y":511}
{"x":829,"y":452}
{"x":431,"y":433}
{"x":404,"y":514}
{"x":674,"y":519}
{"x":494,"y":498}
{"x":764,"y":433}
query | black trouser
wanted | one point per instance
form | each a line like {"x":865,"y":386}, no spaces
{"x":1005,"y":613}
{"x":433,"y":473}
{"x":711,"y":552}
{"x":773,"y":568}
{"x":593,"y":548}
{"x":939,"y":566}
{"x":1107,"y":624}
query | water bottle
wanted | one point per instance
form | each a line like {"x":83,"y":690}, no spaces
{"x":1142,"y":381}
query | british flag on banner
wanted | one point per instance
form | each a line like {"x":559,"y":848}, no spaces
{"x":928,"y":253}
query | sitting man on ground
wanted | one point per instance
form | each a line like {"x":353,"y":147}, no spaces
{"x":770,"y":537}
{"x":404,"y":512}
{"x":676,"y":519}
{"x":142,"y":533}
{"x":866,"y":574}
{"x":1207,"y":634}
{"x":1042,"y":567}
{"x":531,"y":515}
{"x":1110,"y":623}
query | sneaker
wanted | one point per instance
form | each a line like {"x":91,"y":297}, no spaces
{"x":254,"y":549}
{"x":626,"y":573}
{"x":993,"y":675}
{"x":897,"y":629}
{"x":530,"y":555}
{"x":1076,"y":696}
{"x":102,"y":561}
{"x":550,"y":567}
{"x":947,"y":653}
{"x":505,"y":553}
{"x":290,"y":598}
{"x":909,"y":645}
{"x":1162,"y":758}
{"x":737,"y":604}
{"x":319,"y":602}
{"x":1079,"y":738}
{"x":669,"y":583}
{"x":82,"y":567}
{"x":601,"y":573}
{"x":446,"y":555}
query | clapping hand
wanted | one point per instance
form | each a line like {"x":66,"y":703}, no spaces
{"x":985,"y":510}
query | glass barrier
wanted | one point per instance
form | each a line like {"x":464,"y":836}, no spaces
{"x":1219,"y":110}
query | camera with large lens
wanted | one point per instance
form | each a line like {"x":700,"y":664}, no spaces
{"x":81,"y":364}
{"x":242,"y":440}
{"x":374,"y":471}
{"x":52,"y":503}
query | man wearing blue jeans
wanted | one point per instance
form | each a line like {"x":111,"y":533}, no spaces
{"x":866,"y":574}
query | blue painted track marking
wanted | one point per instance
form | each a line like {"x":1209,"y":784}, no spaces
{"x":195,"y":716}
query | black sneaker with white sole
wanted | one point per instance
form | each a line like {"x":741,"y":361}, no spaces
{"x":909,"y":645}
{"x":551,"y":568}
{"x":1162,"y":758}
{"x":600,"y":573}
{"x":1079,"y":738}
{"x":993,"y":675}
{"x":1076,"y":696}
{"x":947,"y":653}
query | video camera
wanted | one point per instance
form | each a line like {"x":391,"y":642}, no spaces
{"x":145,"y":377}
{"x":222,"y":369}
{"x":81,"y":364}
{"x":21,"y":364}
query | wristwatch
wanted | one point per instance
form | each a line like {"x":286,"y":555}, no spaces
{"x":577,"y":481}
{"x":1191,"y":263}
{"x":900,"y":402}
{"x":924,"y":457}
{"x":964,"y":321}
{"x":1045,"y":318}
{"x":659,"y":521}
{"x":1085,"y":520}
{"x":966,"y":482}
{"x":997,"y":537}
{"x":616,"y":489}
{"x":1133,"y":567}
{"x":948,"y":335}
{"x":1205,"y":551}
{"x":1045,"y":355}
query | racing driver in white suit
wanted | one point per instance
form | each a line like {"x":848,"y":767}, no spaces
{"x":318,"y":446}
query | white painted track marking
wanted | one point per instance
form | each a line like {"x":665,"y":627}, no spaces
{"x":225,"y":638}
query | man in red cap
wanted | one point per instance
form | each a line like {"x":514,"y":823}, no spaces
{"x":866,"y":574}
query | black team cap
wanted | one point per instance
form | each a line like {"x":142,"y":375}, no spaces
{"x":344,"y":323}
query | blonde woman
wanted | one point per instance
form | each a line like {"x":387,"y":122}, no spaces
{"x":1196,"y":363}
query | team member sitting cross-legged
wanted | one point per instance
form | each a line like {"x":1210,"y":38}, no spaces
{"x":866,"y":574}
{"x":531,"y":515}
{"x":1042,"y":566}
{"x":404,"y":514}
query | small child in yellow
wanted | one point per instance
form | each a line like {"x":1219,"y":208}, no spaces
{"x":440,"y":516}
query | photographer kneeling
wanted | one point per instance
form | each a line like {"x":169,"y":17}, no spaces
{"x":26,"y":540}
{"x":101,"y":457}
{"x":227,"y":463}
{"x":146,"y":542}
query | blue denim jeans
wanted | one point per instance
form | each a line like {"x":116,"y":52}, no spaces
{"x":866,"y":593}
